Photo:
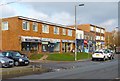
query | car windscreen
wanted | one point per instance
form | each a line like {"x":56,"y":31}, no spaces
{"x":98,"y":52}
{"x":16,"y":54}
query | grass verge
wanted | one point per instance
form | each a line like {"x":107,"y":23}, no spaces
{"x":68,"y":56}
{"x":35,"y":56}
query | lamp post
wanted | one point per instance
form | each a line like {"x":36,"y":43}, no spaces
{"x":76,"y":30}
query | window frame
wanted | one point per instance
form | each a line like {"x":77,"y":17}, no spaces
{"x":91,"y":28}
{"x":5,"y":27}
{"x":27,"y":25}
{"x":64,"y":31}
{"x":69,"y":32}
{"x":56,"y":28}
{"x":35,"y":26}
{"x":45,"y":28}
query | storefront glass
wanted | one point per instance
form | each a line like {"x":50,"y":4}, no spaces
{"x":29,"y":46}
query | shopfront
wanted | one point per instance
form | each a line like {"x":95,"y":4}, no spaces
{"x":50,"y":45}
{"x":30,"y":43}
{"x":91,"y":46}
{"x":79,"y":45}
{"x":67,"y":45}
{"x":85,"y":42}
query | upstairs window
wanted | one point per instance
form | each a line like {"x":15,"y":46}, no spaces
{"x":56,"y":30}
{"x":64,"y":31}
{"x":102,"y":31}
{"x":26,"y":25}
{"x":4,"y":26}
{"x":45,"y":28}
{"x":69,"y":32}
{"x":35,"y":26}
{"x":92,"y":28}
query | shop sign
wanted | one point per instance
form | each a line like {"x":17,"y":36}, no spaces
{"x":32,"y":40}
{"x":45,"y":39}
{"x":85,"y":41}
{"x":68,"y":41}
{"x":44,"y":42}
{"x":54,"y":40}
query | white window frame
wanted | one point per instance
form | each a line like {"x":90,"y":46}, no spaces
{"x":64,"y":31}
{"x":56,"y":30}
{"x":97,"y":30}
{"x":27,"y":25}
{"x":102,"y":31}
{"x":92,"y":28}
{"x":5,"y":25}
{"x":45,"y":28}
{"x":69,"y":32}
{"x":35,"y":26}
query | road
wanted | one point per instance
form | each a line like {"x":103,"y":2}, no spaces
{"x":79,"y":70}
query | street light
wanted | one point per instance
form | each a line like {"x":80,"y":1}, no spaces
{"x":75,"y":31}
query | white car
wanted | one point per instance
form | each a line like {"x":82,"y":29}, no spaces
{"x":99,"y":55}
{"x":109,"y":54}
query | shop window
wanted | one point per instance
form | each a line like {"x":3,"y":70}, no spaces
{"x":26,"y":25}
{"x":56,"y":30}
{"x":35,"y":26}
{"x":45,"y":28}
{"x":4,"y":25}
{"x":29,"y":46}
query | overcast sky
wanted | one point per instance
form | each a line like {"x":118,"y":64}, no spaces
{"x":101,"y":13}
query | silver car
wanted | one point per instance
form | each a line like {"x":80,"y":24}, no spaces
{"x":5,"y":62}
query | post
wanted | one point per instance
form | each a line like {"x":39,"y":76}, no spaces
{"x":75,"y":36}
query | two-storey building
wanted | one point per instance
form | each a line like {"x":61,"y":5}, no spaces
{"x":98,"y":31}
{"x":28,"y":34}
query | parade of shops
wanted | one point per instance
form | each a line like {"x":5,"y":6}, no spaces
{"x":28,"y":34}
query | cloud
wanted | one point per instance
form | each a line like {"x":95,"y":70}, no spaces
{"x":7,"y":11}
{"x":63,"y":18}
{"x":63,"y":12}
{"x":109,"y":24}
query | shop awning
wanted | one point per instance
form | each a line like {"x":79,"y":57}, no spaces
{"x":30,"y":39}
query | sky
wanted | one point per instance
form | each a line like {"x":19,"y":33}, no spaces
{"x":103,"y":13}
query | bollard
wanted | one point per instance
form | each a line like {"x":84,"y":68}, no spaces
{"x":33,"y":68}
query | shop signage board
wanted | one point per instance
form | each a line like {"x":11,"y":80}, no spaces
{"x":54,"y":40}
{"x":46,"y":39}
{"x":44,"y":42}
{"x":30,"y":39}
{"x":68,"y":41}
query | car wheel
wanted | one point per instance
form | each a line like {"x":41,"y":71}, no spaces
{"x":104,"y":59}
{"x":112,"y":57}
{"x":93,"y":59}
{"x":16,"y":63}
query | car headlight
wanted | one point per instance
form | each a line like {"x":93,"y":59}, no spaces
{"x":2,"y":61}
{"x":20,"y":60}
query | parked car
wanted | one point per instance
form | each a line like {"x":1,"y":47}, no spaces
{"x":5,"y":62}
{"x":109,"y":53}
{"x":19,"y":59}
{"x":99,"y":55}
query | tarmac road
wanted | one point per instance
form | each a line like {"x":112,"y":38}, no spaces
{"x":79,"y":70}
